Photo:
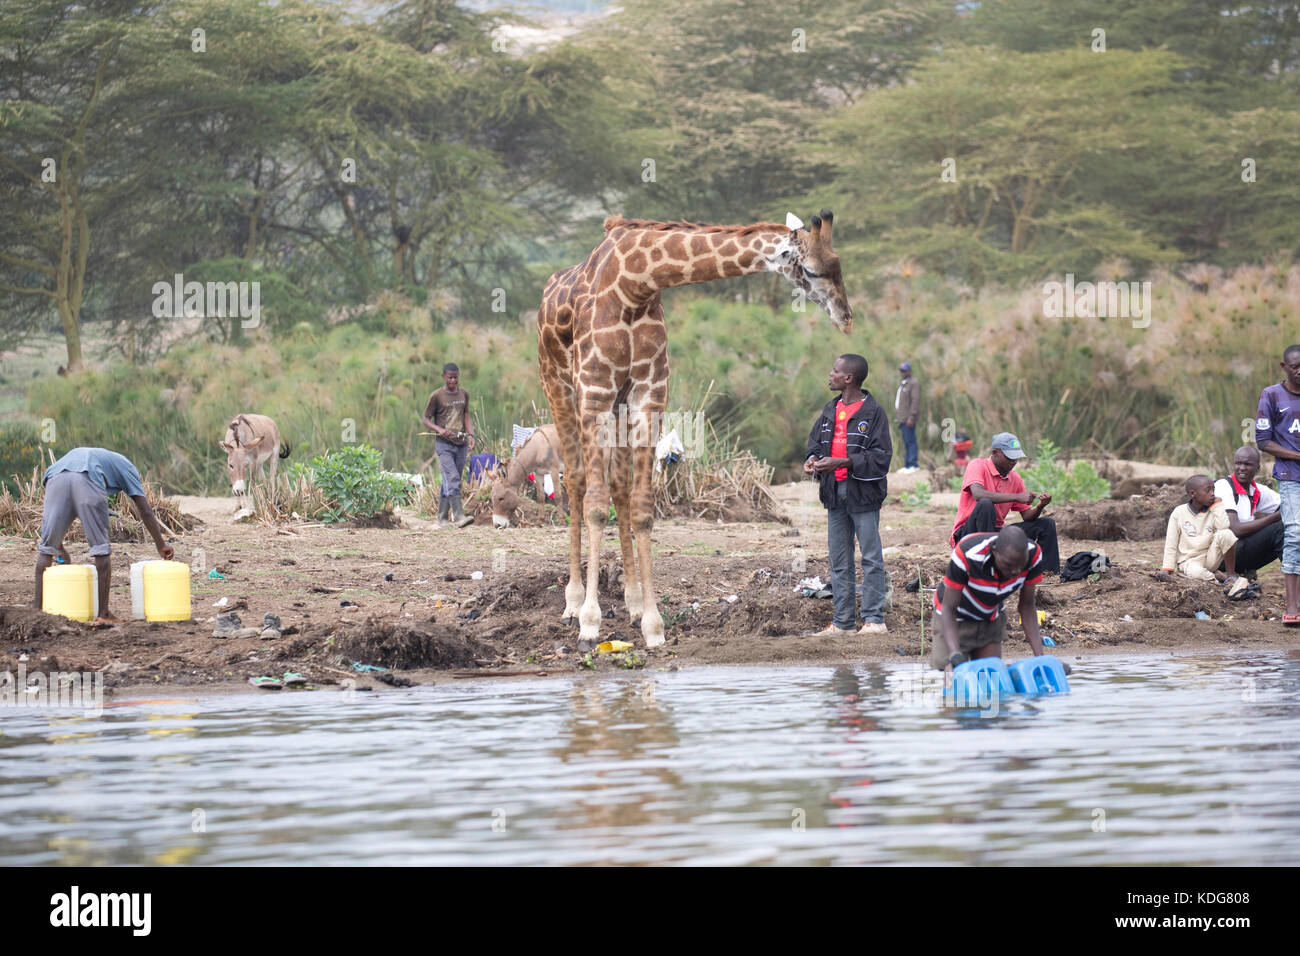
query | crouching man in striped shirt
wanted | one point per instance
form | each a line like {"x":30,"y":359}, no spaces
{"x":986,"y":568}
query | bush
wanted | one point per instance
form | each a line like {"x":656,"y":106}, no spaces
{"x":1080,"y":482}
{"x":20,"y":452}
{"x":918,"y":497}
{"x":353,"y":483}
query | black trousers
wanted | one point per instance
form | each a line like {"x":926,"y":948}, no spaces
{"x":1041,"y":531}
{"x":1259,"y":549}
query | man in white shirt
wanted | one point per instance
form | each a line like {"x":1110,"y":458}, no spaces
{"x":1254,"y":512}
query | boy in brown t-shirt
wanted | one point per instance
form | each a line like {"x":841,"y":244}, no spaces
{"x":448,"y":415}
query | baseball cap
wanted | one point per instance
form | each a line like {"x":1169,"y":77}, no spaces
{"x":1009,"y":445}
{"x":905,"y":367}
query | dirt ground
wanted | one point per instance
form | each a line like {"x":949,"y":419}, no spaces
{"x":404,"y":599}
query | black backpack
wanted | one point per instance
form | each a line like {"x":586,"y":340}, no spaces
{"x":1084,"y":563}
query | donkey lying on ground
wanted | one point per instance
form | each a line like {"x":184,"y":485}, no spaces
{"x":539,"y":456}
{"x":250,"y":441}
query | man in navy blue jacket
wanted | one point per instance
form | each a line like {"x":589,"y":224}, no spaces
{"x":849,"y":449}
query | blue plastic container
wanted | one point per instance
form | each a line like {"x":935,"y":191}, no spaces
{"x":976,"y":682}
{"x":1040,"y":675}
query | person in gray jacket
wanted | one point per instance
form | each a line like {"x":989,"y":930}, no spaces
{"x":907,"y":408}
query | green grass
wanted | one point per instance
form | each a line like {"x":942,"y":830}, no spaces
{"x":1175,"y":392}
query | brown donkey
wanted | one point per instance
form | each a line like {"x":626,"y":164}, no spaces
{"x":539,"y":456}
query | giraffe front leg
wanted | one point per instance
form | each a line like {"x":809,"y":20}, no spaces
{"x":595,"y":505}
{"x":643,"y":519}
{"x":597,"y":513}
{"x":574,"y":594}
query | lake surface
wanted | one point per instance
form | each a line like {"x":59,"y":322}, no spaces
{"x":1149,"y":760}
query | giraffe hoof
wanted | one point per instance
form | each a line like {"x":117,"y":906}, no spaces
{"x":586,"y":647}
{"x":570,"y":621}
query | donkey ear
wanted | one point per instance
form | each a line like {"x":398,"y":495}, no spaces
{"x":257,"y":440}
{"x":793,"y":222}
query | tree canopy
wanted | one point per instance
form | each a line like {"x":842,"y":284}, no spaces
{"x":331,"y":152}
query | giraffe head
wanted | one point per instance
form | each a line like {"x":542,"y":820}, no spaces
{"x":811,"y":264}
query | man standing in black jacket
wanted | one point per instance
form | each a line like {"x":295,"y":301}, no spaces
{"x":849,"y":449}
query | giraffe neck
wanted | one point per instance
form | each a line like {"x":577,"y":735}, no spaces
{"x":658,"y":256}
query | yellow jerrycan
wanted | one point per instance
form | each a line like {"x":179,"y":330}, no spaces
{"x":71,"y":590}
{"x":166,"y":591}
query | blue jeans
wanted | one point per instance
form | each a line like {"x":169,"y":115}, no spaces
{"x":909,"y":445}
{"x":451,"y":459}
{"x":1290,"y":492}
{"x":842,"y":527}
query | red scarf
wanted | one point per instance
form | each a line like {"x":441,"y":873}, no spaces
{"x":1238,"y":491}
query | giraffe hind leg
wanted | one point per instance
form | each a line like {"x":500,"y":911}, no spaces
{"x":596,"y":454}
{"x":575,"y":489}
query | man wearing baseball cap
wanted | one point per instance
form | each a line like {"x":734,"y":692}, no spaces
{"x":991,"y":488}
{"x":907,"y":408}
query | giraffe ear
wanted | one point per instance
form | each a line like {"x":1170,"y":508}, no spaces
{"x":793,"y":222}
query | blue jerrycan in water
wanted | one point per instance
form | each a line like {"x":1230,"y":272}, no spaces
{"x":1040,"y":675}
{"x":979,"y":680}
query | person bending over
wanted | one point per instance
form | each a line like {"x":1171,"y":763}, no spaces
{"x":79,"y":485}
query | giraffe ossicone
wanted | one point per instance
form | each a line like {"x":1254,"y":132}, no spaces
{"x":602,"y":349}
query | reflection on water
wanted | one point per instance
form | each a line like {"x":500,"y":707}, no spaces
{"x":619,"y":740}
{"x":1150,"y":760}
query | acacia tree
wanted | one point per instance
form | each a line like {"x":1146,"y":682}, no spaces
{"x":59,"y":66}
{"x":294,"y":144}
{"x":995,"y":164}
{"x":1224,"y":45}
{"x":727,"y":97}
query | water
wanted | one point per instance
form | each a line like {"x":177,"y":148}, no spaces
{"x":1149,"y":760}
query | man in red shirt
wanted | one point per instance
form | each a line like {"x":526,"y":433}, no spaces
{"x":990,"y":489}
{"x":849,"y":449}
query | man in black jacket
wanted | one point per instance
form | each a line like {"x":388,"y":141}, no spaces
{"x":849,"y":449}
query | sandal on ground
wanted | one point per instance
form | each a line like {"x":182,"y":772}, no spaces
{"x":266,"y":683}
{"x":293,"y":680}
{"x":1291,"y":620}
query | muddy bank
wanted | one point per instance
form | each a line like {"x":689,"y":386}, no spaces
{"x":515,"y":627}
{"x":405,"y":599}
{"x":1141,"y":517}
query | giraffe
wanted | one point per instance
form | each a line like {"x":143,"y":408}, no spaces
{"x":602,"y":343}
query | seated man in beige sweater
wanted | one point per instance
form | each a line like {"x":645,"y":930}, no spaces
{"x":1199,"y":538}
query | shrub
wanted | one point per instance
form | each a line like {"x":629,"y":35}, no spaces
{"x":1080,"y":482}
{"x":918,"y":497}
{"x":353,"y":483}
